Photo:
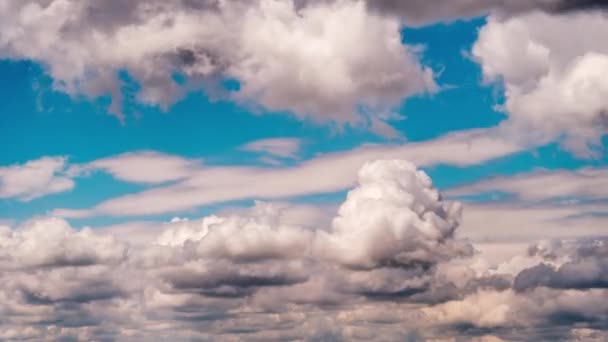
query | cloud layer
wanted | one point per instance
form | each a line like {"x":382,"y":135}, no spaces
{"x":199,"y":185}
{"x":295,"y":56}
{"x":389,"y":263}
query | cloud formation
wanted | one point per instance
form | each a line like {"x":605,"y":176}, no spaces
{"x":420,"y":12}
{"x":273,"y":150}
{"x":295,"y":56}
{"x":284,"y":57}
{"x":553,"y":87}
{"x":36,"y":178}
{"x":327,"y":173}
{"x":581,"y":184}
{"x":389,"y":263}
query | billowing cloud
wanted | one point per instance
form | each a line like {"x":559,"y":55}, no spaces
{"x":201,"y":275}
{"x":586,"y":268}
{"x":394,"y":218}
{"x":327,"y":173}
{"x":552,"y":76}
{"x":388,"y":262}
{"x":52,"y":243}
{"x":35,"y":178}
{"x":141,"y":167}
{"x":285,"y":56}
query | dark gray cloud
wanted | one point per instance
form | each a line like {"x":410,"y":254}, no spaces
{"x":588,"y":268}
{"x":579,"y":5}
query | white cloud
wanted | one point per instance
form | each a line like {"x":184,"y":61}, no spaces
{"x":278,"y":147}
{"x":215,"y":267}
{"x":394,"y":217}
{"x":35,"y":178}
{"x":420,"y":12}
{"x":549,"y":221}
{"x":141,"y":167}
{"x":285,"y":58}
{"x":52,"y":242}
{"x":388,"y":263}
{"x":327,"y":173}
{"x":552,"y":67}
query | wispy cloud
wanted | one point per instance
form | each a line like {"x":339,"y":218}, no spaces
{"x":324,"y":174}
{"x":276,"y":147}
{"x":390,"y":256}
{"x":582,"y":184}
{"x":36,"y":178}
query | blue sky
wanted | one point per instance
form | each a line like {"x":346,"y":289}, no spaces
{"x":303,"y":170}
{"x":39,"y":121}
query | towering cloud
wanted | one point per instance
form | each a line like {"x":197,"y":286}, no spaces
{"x":394,"y":218}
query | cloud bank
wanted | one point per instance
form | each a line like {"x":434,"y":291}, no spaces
{"x":390,"y":263}
{"x":296,"y":56}
{"x":200,"y":185}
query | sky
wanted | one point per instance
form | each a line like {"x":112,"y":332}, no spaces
{"x":303,"y":170}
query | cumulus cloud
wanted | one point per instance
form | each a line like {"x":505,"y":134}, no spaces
{"x":35,"y":178}
{"x":389,"y":263}
{"x":553,"y":87}
{"x":285,"y":55}
{"x":585,"y":269}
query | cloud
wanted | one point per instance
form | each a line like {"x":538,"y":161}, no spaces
{"x":276,"y":147}
{"x":324,"y":174}
{"x":585,"y":269}
{"x":206,"y":275}
{"x":388,"y":262}
{"x":552,"y":86}
{"x":581,"y":184}
{"x":558,"y":204}
{"x":394,"y":218}
{"x":555,"y":221}
{"x":52,"y":243}
{"x":420,"y":12}
{"x":283,"y":56}
{"x":35,"y":178}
